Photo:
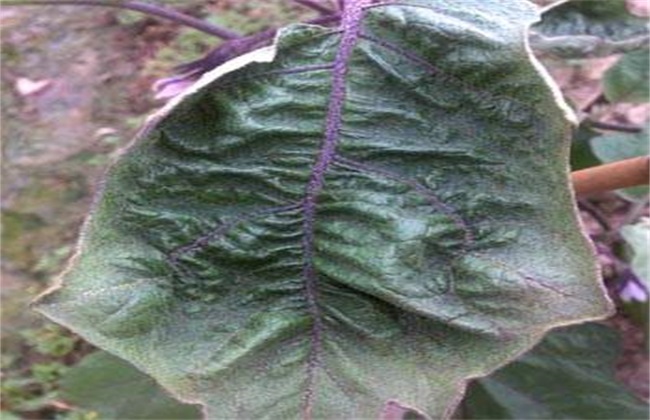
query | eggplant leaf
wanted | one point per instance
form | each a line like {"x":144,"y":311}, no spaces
{"x":581,"y":153}
{"x":637,"y":236}
{"x":612,"y":147}
{"x":569,"y":375}
{"x":347,"y":224}
{"x":114,"y":389}
{"x":634,"y":288}
{"x":589,"y":28}
{"x":628,"y":80}
{"x":607,"y":20}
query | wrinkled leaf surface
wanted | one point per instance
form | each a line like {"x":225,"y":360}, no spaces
{"x":347,"y":224}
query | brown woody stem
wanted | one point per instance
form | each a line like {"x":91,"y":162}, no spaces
{"x":612,"y":176}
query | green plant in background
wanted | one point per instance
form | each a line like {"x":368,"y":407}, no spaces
{"x":628,"y":80}
{"x":49,"y":341}
{"x":601,"y":28}
{"x":592,"y":28}
{"x":34,"y":387}
{"x":570,"y":374}
{"x":335,"y":253}
{"x":596,"y":29}
{"x":116,"y":390}
{"x":613,"y":147}
{"x":635,"y":281}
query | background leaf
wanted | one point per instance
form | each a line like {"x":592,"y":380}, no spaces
{"x":589,"y":28}
{"x":612,"y":147}
{"x":634,"y":289}
{"x":581,"y":154}
{"x":364,"y":221}
{"x":628,"y":80}
{"x":608,"y":20}
{"x":569,"y":375}
{"x":116,"y":390}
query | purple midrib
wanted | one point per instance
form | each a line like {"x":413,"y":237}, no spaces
{"x":351,"y":26}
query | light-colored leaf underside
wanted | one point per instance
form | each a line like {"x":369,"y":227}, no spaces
{"x":363,"y":223}
{"x":608,"y":20}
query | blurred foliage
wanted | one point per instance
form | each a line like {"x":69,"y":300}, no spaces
{"x":581,"y":154}
{"x":637,"y":239}
{"x":50,"y":340}
{"x":116,"y":390}
{"x":609,"y":19}
{"x":589,"y":28}
{"x":637,"y":236}
{"x":244,"y":17}
{"x":569,"y":375}
{"x":31,"y":377}
{"x":612,"y":147}
{"x":629,"y":79}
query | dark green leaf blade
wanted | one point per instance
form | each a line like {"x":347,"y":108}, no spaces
{"x":569,"y":375}
{"x":581,"y":154}
{"x":629,"y":79}
{"x":608,"y":20}
{"x":589,"y":28}
{"x":117,"y":390}
{"x":343,"y":223}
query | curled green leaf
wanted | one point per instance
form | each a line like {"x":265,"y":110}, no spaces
{"x":348,"y":223}
{"x":589,"y":28}
{"x":628,"y":80}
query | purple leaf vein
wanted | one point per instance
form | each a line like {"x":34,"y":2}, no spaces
{"x":351,"y":27}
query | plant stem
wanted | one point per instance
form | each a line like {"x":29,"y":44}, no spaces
{"x":233,"y":48}
{"x":596,"y":214}
{"x":585,"y":46}
{"x":595,"y":101}
{"x":316,"y":6}
{"x":612,"y":176}
{"x":138,"y":6}
{"x":615,"y":127}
